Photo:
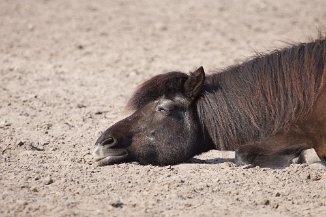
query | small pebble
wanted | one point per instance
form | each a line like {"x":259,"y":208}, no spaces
{"x":80,"y":47}
{"x":247,"y":166}
{"x":117,"y":204}
{"x":20,"y":143}
{"x":275,"y":206}
{"x":34,"y":189}
{"x":48,"y":180}
{"x":81,"y":106}
{"x":99,"y":112}
{"x":4,"y":124}
{"x":315,"y":176}
{"x":265,"y":202}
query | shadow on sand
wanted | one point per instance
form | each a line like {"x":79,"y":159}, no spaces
{"x":210,"y":161}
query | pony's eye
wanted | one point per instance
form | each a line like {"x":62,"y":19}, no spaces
{"x":160,"y":109}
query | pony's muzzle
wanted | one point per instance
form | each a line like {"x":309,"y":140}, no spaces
{"x":107,"y":151}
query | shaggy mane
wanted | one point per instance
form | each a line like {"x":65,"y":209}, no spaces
{"x":262,"y":96}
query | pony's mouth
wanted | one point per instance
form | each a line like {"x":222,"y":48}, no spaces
{"x":105,"y":156}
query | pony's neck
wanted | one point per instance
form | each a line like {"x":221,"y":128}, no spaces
{"x":262,"y":96}
{"x":223,"y":122}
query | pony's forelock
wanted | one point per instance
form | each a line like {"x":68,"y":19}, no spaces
{"x":152,"y":89}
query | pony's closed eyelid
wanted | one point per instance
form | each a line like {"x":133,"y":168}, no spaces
{"x":160,"y":108}
{"x":164,"y":107}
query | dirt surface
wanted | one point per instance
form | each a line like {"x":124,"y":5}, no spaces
{"x":67,"y":69}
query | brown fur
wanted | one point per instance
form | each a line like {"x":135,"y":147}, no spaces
{"x":164,"y":84}
{"x":264,"y":96}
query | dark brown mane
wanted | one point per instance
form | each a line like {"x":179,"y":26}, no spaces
{"x":163,"y":84}
{"x":263,"y":95}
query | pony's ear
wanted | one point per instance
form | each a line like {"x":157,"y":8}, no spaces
{"x":194,"y":84}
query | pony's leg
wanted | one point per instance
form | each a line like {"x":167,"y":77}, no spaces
{"x":274,"y":152}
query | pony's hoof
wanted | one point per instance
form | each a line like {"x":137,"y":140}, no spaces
{"x":309,"y":156}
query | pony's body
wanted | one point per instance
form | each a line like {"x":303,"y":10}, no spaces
{"x":281,"y":92}
{"x":268,"y":109}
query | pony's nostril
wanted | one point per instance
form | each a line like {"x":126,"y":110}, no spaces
{"x":108,"y":141}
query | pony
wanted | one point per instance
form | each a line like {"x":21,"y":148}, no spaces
{"x":268,"y":110}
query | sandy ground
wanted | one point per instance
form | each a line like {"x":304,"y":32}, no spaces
{"x":67,"y":69}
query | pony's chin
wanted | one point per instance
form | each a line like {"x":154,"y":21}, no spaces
{"x":104,"y":156}
{"x":109,"y":160}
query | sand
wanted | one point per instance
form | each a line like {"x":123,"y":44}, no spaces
{"x":67,"y":69}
